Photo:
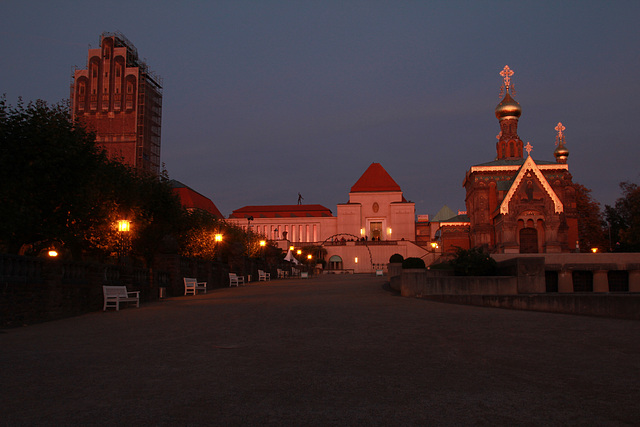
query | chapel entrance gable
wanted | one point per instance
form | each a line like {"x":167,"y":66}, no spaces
{"x":530,"y":188}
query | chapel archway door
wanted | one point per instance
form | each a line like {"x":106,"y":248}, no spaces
{"x":528,"y":241}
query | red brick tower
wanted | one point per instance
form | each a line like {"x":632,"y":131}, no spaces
{"x":119,"y":98}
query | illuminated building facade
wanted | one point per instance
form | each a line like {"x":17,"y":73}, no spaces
{"x":374,"y":224}
{"x":517,"y":204}
{"x":120,"y":99}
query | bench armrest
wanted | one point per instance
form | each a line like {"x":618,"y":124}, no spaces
{"x":137,"y":293}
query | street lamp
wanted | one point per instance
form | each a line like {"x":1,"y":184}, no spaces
{"x":217,"y":238}
{"x":124,"y":227}
{"x":263,"y":243}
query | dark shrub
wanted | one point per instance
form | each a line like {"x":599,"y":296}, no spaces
{"x":413,"y":263}
{"x":441,"y":266}
{"x":396,"y":258}
{"x":473,"y":262}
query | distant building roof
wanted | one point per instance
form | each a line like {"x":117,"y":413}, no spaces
{"x":191,"y":199}
{"x":443,"y":214}
{"x":456,"y":219}
{"x":282,"y":211}
{"x":375,"y":179}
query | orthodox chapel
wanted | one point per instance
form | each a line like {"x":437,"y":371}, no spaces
{"x":516,"y":204}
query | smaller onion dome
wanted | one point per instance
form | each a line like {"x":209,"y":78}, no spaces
{"x":508,"y":108}
{"x":561,"y":153}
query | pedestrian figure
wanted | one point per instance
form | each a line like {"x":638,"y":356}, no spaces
{"x":300,"y":199}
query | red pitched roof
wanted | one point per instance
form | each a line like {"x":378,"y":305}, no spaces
{"x":375,"y":179}
{"x":191,"y":199}
{"x":282,"y":211}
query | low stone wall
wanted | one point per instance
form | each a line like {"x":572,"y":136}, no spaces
{"x":613,"y":306}
{"x":599,"y":265}
{"x":419,"y":283}
{"x":522,"y":286}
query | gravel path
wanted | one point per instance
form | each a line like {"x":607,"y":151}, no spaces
{"x":331,"y":350}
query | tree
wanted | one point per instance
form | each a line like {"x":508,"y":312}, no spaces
{"x":58,"y":186}
{"x":590,"y":220}
{"x":46,"y":168}
{"x":473,"y":262}
{"x":624,"y":219}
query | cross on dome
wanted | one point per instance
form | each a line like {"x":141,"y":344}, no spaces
{"x":506,"y":73}
{"x":560,"y":137}
{"x":528,"y":148}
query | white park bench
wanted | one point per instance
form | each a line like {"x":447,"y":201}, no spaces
{"x":114,"y":295}
{"x":192,"y":286}
{"x":263,"y":276}
{"x":236,"y":280}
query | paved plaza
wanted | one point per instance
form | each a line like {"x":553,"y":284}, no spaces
{"x":331,"y":350}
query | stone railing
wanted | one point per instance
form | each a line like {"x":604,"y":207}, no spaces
{"x":572,"y":283}
{"x":585,"y":272}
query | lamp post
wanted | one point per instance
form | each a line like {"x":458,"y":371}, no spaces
{"x":217,"y":238}
{"x":124,"y":227}
{"x":263,"y":244}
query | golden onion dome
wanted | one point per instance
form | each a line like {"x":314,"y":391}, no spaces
{"x":508,"y":108}
{"x":561,"y":153}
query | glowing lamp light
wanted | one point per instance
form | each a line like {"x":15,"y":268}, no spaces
{"x":299,"y":252}
{"x":594,"y":250}
{"x":434,"y":245}
{"x":291,"y":248}
{"x":263,"y":243}
{"x":362,"y":231}
{"x":356,"y":260}
{"x":218,"y":237}
{"x":389,"y":231}
{"x":309,"y":256}
{"x":52,"y":253}
{"x":124,"y":225}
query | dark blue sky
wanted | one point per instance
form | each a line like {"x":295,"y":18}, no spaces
{"x":265,"y":99}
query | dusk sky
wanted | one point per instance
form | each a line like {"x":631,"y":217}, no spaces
{"x":267,"y":99}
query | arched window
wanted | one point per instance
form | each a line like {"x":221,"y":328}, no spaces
{"x":335,"y":263}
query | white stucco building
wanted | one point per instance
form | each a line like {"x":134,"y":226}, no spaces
{"x":374,"y":224}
